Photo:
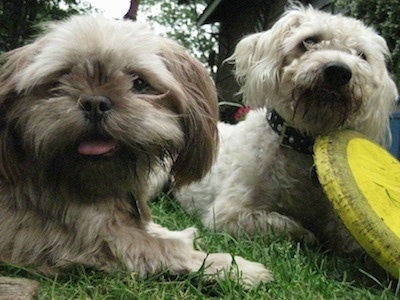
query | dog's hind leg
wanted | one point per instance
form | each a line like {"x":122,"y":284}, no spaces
{"x":237,"y":220}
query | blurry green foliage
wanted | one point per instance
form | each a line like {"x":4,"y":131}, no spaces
{"x":178,"y":20}
{"x":19,"y":18}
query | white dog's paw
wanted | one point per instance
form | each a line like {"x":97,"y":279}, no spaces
{"x":237,"y":268}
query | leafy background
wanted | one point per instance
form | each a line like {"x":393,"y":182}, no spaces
{"x":384,"y":16}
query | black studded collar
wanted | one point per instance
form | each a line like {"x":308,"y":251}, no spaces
{"x":290,"y":136}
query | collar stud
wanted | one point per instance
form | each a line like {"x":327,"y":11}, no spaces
{"x":289,"y":136}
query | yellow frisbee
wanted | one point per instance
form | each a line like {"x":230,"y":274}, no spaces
{"x":362,"y":180}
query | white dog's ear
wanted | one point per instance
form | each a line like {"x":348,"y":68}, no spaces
{"x":258,"y":59}
{"x":244,"y":56}
{"x":198,"y":117}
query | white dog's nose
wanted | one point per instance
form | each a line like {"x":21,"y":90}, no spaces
{"x":95,"y":107}
{"x":337,"y":74}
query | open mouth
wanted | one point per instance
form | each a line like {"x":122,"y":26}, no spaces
{"x":97,"y":147}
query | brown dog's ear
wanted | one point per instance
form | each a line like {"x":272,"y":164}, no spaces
{"x":12,"y":63}
{"x":199,"y":116}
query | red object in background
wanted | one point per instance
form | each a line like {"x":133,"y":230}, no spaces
{"x":241,"y":113}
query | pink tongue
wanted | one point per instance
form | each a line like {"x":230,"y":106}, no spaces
{"x":97,"y":147}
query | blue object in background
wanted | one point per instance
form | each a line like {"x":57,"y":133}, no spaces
{"x":395,"y":129}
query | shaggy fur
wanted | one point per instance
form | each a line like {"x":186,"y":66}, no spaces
{"x":256,"y":184}
{"x":87,"y":112}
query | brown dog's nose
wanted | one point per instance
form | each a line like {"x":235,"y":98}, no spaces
{"x":95,"y":107}
{"x":337,"y":74}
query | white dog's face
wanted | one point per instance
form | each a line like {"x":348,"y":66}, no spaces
{"x":94,"y":104}
{"x":320,"y":72}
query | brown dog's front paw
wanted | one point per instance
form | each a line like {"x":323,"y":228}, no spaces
{"x":252,"y":273}
{"x":225,"y":266}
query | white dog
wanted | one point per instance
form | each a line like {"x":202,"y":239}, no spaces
{"x":87,"y":112}
{"x":314,"y":72}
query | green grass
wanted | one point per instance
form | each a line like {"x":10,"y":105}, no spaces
{"x":300,"y":273}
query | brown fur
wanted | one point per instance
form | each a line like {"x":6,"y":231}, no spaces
{"x":60,"y":207}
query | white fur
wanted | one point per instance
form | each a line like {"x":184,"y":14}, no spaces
{"x":258,"y":186}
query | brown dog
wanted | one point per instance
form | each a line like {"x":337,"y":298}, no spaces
{"x":88,"y":112}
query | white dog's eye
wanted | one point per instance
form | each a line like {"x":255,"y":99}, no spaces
{"x":362,"y":55}
{"x":309,"y":42}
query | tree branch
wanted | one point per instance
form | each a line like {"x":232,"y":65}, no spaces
{"x":132,"y":12}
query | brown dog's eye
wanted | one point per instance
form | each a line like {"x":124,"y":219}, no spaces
{"x":55,"y":89}
{"x":141,"y":86}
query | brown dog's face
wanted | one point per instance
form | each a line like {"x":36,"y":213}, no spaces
{"x":94,"y":105}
